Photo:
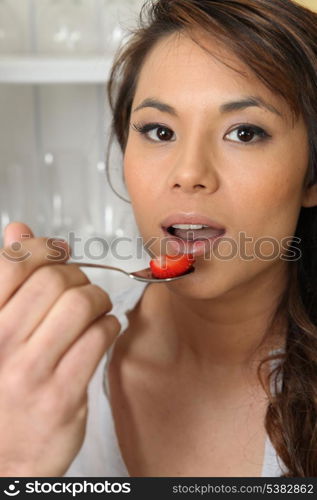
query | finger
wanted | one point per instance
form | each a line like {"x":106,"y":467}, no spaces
{"x":72,"y":314}
{"x":18,"y":261}
{"x":28,"y":307}
{"x":81,"y":360}
{"x":16,"y":231}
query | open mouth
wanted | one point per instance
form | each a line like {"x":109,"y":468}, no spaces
{"x":196,"y":239}
{"x":194,"y":232}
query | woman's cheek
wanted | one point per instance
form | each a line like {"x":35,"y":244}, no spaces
{"x":265,"y":211}
{"x":277,"y":218}
{"x":142,"y":196}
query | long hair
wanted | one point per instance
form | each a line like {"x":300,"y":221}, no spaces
{"x":277,"y":40}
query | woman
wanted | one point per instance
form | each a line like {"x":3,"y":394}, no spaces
{"x":214,"y":107}
{"x":239,"y":146}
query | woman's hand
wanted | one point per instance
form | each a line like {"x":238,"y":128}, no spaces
{"x":54,"y":330}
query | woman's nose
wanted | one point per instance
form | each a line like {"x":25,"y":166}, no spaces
{"x":194,"y":171}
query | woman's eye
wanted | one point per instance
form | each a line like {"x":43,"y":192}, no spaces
{"x":242,"y":134}
{"x":154,"y":131}
{"x":247,"y":134}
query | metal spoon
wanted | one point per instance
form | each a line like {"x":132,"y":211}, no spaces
{"x":142,"y":275}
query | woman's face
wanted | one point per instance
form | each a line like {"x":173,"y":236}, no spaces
{"x":227,"y":151}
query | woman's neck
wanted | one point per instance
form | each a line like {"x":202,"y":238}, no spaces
{"x":225,"y":332}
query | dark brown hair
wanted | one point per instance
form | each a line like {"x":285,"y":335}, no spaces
{"x":277,"y":40}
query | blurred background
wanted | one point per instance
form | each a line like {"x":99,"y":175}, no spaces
{"x":55,"y":57}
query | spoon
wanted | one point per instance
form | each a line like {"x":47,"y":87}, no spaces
{"x":142,"y":275}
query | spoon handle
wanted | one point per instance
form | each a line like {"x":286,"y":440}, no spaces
{"x":99,"y":266}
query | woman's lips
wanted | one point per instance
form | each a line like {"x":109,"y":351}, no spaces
{"x":193,"y":241}
{"x":190,"y":218}
{"x":197,"y":247}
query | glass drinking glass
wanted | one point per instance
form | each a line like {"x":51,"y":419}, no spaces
{"x":18,"y":200}
{"x":10,"y":30}
{"x":65,"y":194}
{"x":65,"y":27}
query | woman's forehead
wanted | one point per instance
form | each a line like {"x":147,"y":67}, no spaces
{"x":178,"y":69}
{"x":183,"y":49}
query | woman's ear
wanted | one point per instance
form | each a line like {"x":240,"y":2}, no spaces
{"x":310,"y":196}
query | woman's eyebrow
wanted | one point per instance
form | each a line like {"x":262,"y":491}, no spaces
{"x":227,"y":107}
{"x":248,"y":102}
{"x":150,"y":102}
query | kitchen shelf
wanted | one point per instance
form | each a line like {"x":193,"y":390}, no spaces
{"x":41,"y":70}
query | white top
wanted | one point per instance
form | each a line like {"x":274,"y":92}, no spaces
{"x":100,"y":455}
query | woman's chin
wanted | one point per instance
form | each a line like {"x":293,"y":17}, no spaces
{"x":202,"y":284}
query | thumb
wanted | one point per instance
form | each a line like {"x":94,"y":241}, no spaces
{"x":16,"y":231}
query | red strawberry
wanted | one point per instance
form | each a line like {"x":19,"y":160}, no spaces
{"x":168,"y":266}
